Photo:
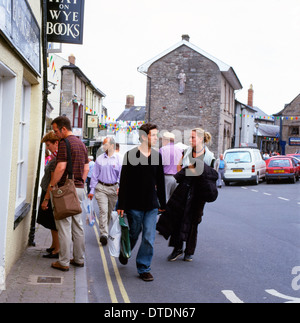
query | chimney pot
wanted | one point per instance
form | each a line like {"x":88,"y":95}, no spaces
{"x":186,"y":37}
{"x":129,"y":101}
{"x":250,"y":96}
{"x":72,"y":59}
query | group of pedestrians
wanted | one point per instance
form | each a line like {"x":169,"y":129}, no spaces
{"x":141,"y":185}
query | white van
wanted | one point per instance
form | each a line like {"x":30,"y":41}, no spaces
{"x":244,"y":165}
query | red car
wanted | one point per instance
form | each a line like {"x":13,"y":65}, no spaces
{"x":294,"y":155}
{"x":282,"y":167}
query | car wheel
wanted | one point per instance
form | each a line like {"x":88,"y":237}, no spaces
{"x":293,"y":180}
{"x":256,"y":181}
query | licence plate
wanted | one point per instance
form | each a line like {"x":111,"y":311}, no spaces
{"x":278,"y":171}
{"x":237,"y":170}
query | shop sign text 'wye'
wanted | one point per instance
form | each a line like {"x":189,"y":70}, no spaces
{"x":65,"y":21}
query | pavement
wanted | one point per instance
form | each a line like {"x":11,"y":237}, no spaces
{"x":32,"y":280}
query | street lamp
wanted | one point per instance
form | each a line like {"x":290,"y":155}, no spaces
{"x":257,"y":127}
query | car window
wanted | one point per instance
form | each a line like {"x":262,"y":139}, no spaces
{"x":280,"y":163}
{"x":238,"y":157}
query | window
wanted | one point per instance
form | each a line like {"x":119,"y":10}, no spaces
{"x":294,"y":131}
{"x":77,"y":115}
{"x":1,"y":96}
{"x":238,"y":157}
{"x":22,"y":161}
{"x":280,"y":163}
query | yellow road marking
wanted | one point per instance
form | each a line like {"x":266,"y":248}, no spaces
{"x":119,"y":280}
{"x":106,"y":271}
{"x":107,"y":274}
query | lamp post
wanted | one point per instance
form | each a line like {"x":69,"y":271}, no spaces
{"x":257,"y":127}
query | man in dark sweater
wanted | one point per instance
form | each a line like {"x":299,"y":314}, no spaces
{"x":142,"y":195}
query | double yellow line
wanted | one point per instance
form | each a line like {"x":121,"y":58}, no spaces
{"x":110,"y":285}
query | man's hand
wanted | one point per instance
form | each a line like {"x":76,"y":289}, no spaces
{"x":91,"y":196}
{"x":121,"y":213}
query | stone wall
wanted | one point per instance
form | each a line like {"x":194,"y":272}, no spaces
{"x":290,"y":126}
{"x":198,"y":106}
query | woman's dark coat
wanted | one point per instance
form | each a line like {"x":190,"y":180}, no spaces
{"x":186,"y":205}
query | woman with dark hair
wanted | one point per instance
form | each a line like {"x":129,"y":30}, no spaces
{"x":45,"y":213}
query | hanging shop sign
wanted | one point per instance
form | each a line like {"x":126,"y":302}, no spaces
{"x":20,"y":28}
{"x":65,"y":21}
{"x":92,"y":122}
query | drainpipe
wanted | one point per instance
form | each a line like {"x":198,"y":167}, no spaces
{"x":45,"y":100}
{"x":150,"y":91}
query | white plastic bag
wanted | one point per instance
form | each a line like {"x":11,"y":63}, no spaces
{"x":88,"y":210}
{"x":114,"y":238}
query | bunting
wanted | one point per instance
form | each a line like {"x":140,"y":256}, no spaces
{"x":253,"y":116}
{"x":121,"y":126}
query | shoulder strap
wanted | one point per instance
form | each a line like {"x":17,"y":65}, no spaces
{"x":69,"y":164}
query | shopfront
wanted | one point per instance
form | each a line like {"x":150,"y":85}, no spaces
{"x":20,"y":123}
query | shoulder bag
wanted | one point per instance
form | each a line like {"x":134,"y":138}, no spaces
{"x":65,"y":199}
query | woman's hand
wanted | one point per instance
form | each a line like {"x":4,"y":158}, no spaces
{"x":45,"y":205}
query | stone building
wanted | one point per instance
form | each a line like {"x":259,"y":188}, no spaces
{"x":289,"y":121}
{"x":82,"y":102}
{"x":188,"y":88}
{"x":254,"y":127}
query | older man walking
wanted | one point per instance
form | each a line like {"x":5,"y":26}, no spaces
{"x":104,"y":185}
{"x":171,"y":156}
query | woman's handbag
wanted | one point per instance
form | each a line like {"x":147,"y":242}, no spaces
{"x":65,"y":199}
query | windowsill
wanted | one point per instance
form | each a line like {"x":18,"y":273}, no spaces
{"x":21,"y":214}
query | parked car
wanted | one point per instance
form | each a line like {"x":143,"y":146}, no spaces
{"x":244,"y":165}
{"x":294,"y":155}
{"x":283,"y":167}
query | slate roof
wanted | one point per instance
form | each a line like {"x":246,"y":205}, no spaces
{"x":133,"y":114}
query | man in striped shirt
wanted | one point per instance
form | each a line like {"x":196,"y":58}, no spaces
{"x":80,"y":163}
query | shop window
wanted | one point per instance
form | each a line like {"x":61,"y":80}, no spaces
{"x":23,"y":145}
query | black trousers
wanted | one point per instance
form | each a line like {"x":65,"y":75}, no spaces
{"x":191,"y":243}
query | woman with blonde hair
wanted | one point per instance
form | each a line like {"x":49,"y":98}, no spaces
{"x":45,"y":213}
{"x":185,"y":209}
{"x":198,"y":149}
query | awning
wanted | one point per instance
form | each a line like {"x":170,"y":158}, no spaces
{"x":266,"y":130}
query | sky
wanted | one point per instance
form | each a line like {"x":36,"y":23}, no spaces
{"x":259,"y":39}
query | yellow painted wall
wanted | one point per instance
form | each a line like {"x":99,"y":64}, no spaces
{"x":17,"y":240}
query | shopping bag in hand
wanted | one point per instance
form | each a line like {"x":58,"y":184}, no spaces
{"x":125,"y":241}
{"x":88,"y":210}
{"x":114,"y":238}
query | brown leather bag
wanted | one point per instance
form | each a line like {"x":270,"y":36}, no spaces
{"x":65,"y":199}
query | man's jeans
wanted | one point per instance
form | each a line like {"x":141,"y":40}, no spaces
{"x":145,"y":222}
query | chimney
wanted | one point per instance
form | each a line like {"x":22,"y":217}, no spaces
{"x":250,"y":96}
{"x":186,"y":37}
{"x":129,"y":101}
{"x":72,"y":59}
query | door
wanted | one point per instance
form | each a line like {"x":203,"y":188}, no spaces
{"x":7,"y":112}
